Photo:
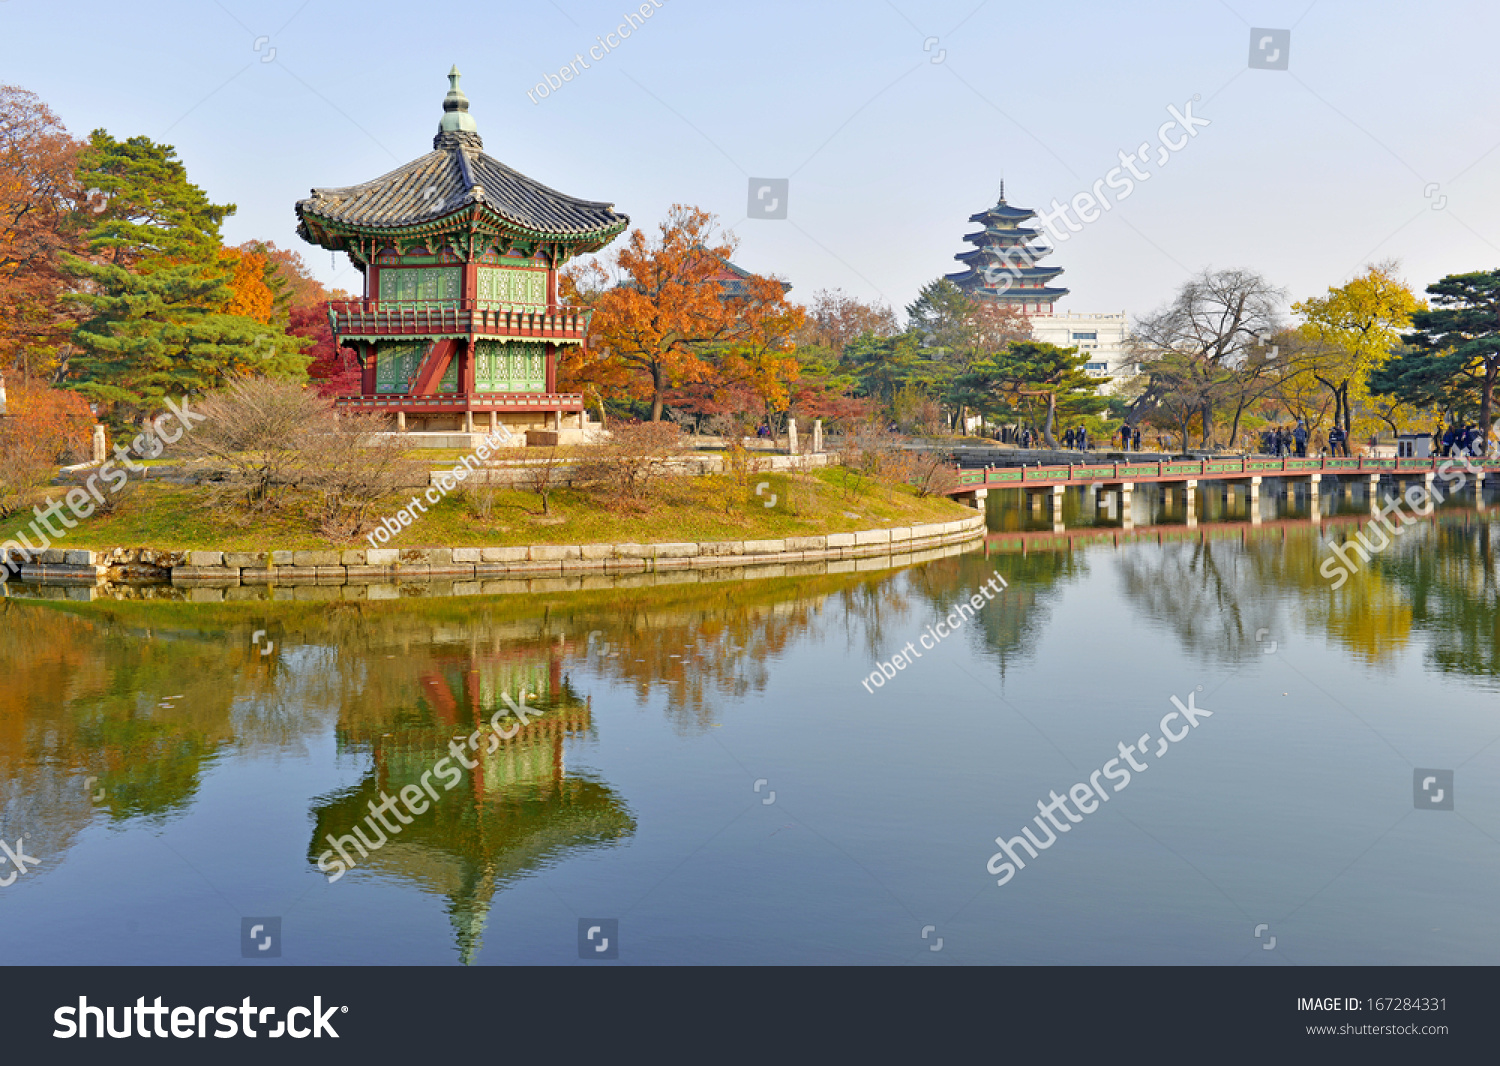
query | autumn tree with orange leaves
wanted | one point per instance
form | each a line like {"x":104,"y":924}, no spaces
{"x":39,"y":197}
{"x":668,"y":313}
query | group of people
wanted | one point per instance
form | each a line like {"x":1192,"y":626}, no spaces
{"x":1076,"y":437}
{"x":1283,"y":441}
{"x":1458,"y":440}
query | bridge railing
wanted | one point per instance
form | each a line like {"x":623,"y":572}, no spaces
{"x":1173,"y":469}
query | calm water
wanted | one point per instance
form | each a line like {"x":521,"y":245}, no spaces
{"x":704,"y":765}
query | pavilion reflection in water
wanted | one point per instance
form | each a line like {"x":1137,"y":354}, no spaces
{"x":516,"y":812}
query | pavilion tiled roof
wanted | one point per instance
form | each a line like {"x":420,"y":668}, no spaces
{"x":454,"y":176}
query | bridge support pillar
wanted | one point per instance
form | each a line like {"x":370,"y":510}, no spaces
{"x":1374,"y":493}
{"x":1127,"y":516}
{"x":976,"y":498}
{"x":1057,"y":508}
{"x":468,"y":421}
{"x":1190,"y":501}
{"x":400,"y":421}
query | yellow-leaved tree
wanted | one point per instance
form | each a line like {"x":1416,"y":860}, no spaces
{"x":1352,"y":331}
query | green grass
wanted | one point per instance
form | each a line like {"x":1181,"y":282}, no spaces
{"x":178,"y":517}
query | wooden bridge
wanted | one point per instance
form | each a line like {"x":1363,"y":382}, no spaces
{"x":974,"y":483}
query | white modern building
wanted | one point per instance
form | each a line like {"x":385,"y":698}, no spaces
{"x":1100,"y":337}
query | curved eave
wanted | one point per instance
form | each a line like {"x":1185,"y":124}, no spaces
{"x":327,"y":231}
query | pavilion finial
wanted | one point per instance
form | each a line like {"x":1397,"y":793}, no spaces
{"x":1002,"y":190}
{"x":456,"y":117}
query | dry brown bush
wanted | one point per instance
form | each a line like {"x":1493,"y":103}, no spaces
{"x":358,"y":463}
{"x":625,"y":468}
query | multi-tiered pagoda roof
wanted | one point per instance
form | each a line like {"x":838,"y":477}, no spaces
{"x":1002,"y":266}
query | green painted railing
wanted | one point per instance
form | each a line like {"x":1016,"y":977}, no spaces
{"x":1213,"y":469}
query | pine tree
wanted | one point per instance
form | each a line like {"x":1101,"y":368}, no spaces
{"x":158,"y":289}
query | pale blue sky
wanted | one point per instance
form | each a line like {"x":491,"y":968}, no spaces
{"x":1302,"y":174}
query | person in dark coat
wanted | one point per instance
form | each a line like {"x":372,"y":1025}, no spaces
{"x":1135,"y":439}
{"x":1299,"y":435}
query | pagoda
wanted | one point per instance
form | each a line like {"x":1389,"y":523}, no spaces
{"x":1002,"y":265}
{"x":460,"y":256}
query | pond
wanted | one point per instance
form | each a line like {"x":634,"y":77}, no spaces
{"x":1215,"y":757}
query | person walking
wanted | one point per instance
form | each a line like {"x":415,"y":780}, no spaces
{"x":1299,"y":435}
{"x":1081,"y":438}
{"x":1135,"y":439}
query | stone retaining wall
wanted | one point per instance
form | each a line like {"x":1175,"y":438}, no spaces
{"x":380,"y":565}
{"x":197,"y":592}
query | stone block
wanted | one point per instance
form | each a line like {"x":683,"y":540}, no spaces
{"x":332,"y":573}
{"x":504,"y":555}
{"x":872,"y":536}
{"x":492,"y":569}
{"x":296,"y":575}
{"x":468,"y":588}
{"x":281,"y":558}
{"x":414,"y":557}
{"x":805,"y":544}
{"x":722,"y":547}
{"x":215,"y":574}
{"x":370,"y":573}
{"x":763,"y":547}
{"x":625,"y":566}
{"x":79,"y":558}
{"x":440,"y":556}
{"x":631,"y":551}
{"x":248,"y":560}
{"x":254,"y":576}
{"x":597,"y":551}
{"x":205,"y":595}
{"x":242,"y":594}
{"x":315,"y":558}
{"x":354,"y":592}
{"x":547,"y":553}
{"x":382,"y":556}
{"x":840,"y":540}
{"x":382,"y":592}
{"x":674,"y":551}
{"x":317,"y":593}
{"x":468,"y":555}
{"x":353,"y":557}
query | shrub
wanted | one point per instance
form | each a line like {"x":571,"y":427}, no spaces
{"x":627,"y":466}
{"x":356,"y":464}
{"x":257,"y":431}
{"x":43,"y":427}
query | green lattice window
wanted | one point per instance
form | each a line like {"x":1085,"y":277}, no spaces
{"x":396,"y":365}
{"x":501,"y":285}
{"x":510,"y":366}
{"x":420,"y":286}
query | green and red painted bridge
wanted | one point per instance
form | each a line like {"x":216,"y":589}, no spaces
{"x":974,"y":483}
